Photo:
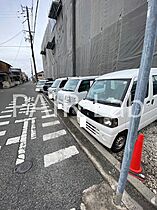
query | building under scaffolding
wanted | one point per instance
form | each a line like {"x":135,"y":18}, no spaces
{"x":94,"y":37}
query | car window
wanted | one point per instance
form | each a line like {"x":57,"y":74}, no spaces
{"x":84,"y":86}
{"x":155,"y":85}
{"x":63,"y":83}
{"x":134,"y":89}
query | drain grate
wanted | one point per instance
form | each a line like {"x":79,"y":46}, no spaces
{"x":23,"y":167}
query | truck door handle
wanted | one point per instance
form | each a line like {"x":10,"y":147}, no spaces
{"x":152,"y":102}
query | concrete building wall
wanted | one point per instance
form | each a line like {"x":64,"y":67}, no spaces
{"x":109,"y":37}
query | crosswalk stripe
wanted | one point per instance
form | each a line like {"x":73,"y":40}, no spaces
{"x":50,"y":123}
{"x":54,"y":135}
{"x":4,"y":123}
{"x":13,"y":140}
{"x":60,"y":155}
{"x":5,"y":116}
{"x":7,"y":111}
{"x":48,"y":116}
{"x":2,"y":133}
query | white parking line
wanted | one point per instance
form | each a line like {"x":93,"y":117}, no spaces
{"x":4,"y":123}
{"x":54,"y":135}
{"x":60,"y":155}
{"x":7,"y":111}
{"x":56,"y":122}
{"x":5,"y":116}
{"x":2,"y":133}
{"x":13,"y":140}
{"x":48,"y":116}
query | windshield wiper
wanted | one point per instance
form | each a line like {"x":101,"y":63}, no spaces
{"x":90,"y":99}
{"x":109,"y":103}
{"x":67,"y":90}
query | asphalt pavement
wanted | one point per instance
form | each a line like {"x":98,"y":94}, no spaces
{"x":54,"y":170}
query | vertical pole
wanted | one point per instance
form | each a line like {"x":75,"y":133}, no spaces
{"x":31,"y":41}
{"x":74,"y":36}
{"x":143,"y":78}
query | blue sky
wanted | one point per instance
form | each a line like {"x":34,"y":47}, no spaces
{"x":11,"y":24}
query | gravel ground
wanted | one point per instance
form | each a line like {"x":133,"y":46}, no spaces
{"x":149,"y":156}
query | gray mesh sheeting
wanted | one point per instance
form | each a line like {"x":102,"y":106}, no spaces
{"x":109,"y":37}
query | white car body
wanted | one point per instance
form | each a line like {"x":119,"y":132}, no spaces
{"x":53,"y":90}
{"x":68,"y":99}
{"x":39,"y":86}
{"x":105,"y":134}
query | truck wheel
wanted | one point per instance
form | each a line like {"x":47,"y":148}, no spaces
{"x":119,"y":143}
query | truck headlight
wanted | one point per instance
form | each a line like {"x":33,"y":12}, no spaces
{"x":110,"y":122}
{"x":67,"y":99}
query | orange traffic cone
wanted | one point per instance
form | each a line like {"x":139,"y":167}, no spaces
{"x":135,"y":166}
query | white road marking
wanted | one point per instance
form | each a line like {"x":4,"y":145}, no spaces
{"x":56,"y":122}
{"x":13,"y":140}
{"x":4,"y":123}
{"x":5,"y":116}
{"x":54,"y":135}
{"x":23,"y":138}
{"x":33,"y":130}
{"x":60,"y":155}
{"x":44,"y":107}
{"x":27,"y":112}
{"x":7,"y":111}
{"x":23,"y":120}
{"x":22,"y":112}
{"x":47,"y":110}
{"x":2,"y":133}
{"x":9,"y":107}
{"x":23,"y":109}
{"x":48,"y":116}
{"x":0,"y":147}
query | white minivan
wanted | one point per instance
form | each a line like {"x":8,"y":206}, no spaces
{"x":55,"y":87}
{"x":74,"y":90}
{"x":106,"y":110}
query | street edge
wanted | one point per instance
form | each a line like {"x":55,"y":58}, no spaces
{"x":140,"y":187}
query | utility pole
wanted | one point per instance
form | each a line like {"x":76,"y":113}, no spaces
{"x":143,"y":79}
{"x":31,"y":41}
{"x":74,"y":36}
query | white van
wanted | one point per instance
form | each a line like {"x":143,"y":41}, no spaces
{"x":106,"y":110}
{"x":75,"y":90}
{"x":55,"y":87}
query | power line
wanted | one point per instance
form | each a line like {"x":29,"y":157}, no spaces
{"x":15,"y":46}
{"x":18,"y":49}
{"x":11,"y":38}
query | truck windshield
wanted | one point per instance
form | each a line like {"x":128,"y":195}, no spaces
{"x":56,"y":83}
{"x":71,"y":85}
{"x":108,"y":91}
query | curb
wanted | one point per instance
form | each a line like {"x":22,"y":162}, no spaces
{"x":138,"y":185}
